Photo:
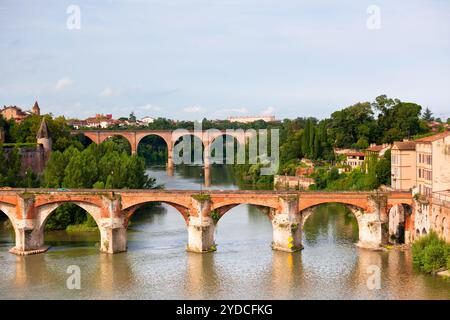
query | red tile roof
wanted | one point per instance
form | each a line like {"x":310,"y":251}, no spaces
{"x":433,"y":137}
{"x":356,"y":154}
{"x":405,"y":145}
{"x":376,"y":148}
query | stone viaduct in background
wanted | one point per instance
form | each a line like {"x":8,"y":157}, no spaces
{"x":207,"y":138}
{"x":29,"y":210}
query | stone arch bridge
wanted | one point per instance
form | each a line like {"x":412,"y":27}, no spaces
{"x":29,"y":209}
{"x":134,"y":137}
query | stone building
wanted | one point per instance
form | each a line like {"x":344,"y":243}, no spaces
{"x":378,"y":150}
{"x":403,"y":165}
{"x":355,"y":159}
{"x":292,"y":182}
{"x":17,"y":114}
{"x":250,"y":119}
{"x":440,"y":214}
{"x":423,"y":166}
{"x":433,"y":163}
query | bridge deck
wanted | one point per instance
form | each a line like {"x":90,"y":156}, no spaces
{"x":192,"y":191}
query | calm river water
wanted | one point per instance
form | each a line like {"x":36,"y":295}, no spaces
{"x":157,"y":266}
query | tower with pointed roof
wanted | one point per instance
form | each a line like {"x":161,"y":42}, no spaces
{"x":36,"y":110}
{"x":44,"y":139}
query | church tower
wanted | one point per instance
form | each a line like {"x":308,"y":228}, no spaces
{"x":36,"y":110}
{"x":43,"y":138}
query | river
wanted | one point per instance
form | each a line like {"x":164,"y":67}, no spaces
{"x":156,"y":265}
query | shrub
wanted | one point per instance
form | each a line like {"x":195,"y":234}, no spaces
{"x":430,"y":253}
{"x":434,"y":257}
{"x":448,"y":262}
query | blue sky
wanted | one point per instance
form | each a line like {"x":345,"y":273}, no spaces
{"x":206,"y":58}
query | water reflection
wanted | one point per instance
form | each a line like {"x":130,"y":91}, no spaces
{"x":114,"y":274}
{"x":287,"y":276}
{"x":201,"y":280}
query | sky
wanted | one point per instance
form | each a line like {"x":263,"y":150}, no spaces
{"x":185,"y":59}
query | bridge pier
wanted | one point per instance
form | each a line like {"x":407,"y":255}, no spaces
{"x":113,"y":239}
{"x":207,"y":175}
{"x":29,"y":234}
{"x":29,"y":238}
{"x":169,"y":165}
{"x":373,"y":234}
{"x":373,"y":225}
{"x":201,"y":235}
{"x":286,"y":224}
{"x":201,"y":226}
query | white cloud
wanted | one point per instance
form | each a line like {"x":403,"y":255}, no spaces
{"x":108,"y":92}
{"x":233,"y":110}
{"x":150,"y":107}
{"x":268,"y":111}
{"x":193,"y":109}
{"x":63,"y":83}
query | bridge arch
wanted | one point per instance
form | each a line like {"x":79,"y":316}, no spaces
{"x":117,"y":135}
{"x":10,"y":212}
{"x":399,"y":220}
{"x":224,"y":142}
{"x":357,"y":211}
{"x":153,"y":147}
{"x":129,"y":211}
{"x":167,"y":139}
{"x":180,"y":145}
{"x":219,"y":210}
{"x":44,"y":211}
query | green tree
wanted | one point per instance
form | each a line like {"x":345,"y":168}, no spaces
{"x":383,"y":169}
{"x":427,"y":115}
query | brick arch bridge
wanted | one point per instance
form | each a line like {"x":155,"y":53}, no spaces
{"x":207,"y":137}
{"x":134,"y":137}
{"x":29,"y":209}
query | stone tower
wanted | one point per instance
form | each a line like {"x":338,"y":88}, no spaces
{"x":43,"y":138}
{"x":36,"y":110}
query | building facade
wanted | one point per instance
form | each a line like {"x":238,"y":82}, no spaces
{"x":403,"y":165}
{"x":423,"y":166}
{"x":433,"y":163}
{"x":249,"y":119}
{"x":378,"y":150}
{"x":17,"y":114}
{"x":355,"y":159}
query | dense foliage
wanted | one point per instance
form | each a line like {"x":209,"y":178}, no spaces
{"x":25,"y":132}
{"x":373,"y":174}
{"x":10,"y":171}
{"x":98,"y":166}
{"x":107,"y":165}
{"x":431,"y":253}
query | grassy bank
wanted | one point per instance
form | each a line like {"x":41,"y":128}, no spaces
{"x":81,"y":228}
{"x":431,"y":253}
